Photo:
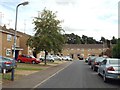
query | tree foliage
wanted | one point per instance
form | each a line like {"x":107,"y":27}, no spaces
{"x":116,"y":50}
{"x":75,"y":39}
{"x":47,"y":33}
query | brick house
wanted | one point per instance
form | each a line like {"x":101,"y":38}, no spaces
{"x":7,"y":42}
{"x":83,"y":49}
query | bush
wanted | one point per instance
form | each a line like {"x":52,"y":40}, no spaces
{"x":116,"y":50}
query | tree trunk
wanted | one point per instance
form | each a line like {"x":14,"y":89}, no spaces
{"x":45,"y":56}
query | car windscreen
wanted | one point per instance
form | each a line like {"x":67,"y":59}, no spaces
{"x":93,"y":57}
{"x":114,"y":61}
{"x":99,"y":59}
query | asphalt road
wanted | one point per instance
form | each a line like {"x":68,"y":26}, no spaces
{"x":78,"y":75}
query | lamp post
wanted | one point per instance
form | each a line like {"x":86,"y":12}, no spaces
{"x":24,"y":3}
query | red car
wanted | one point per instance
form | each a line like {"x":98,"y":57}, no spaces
{"x":28,"y":59}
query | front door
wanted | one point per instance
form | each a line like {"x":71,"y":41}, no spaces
{"x":16,"y":54}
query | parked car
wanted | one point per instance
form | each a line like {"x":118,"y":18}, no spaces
{"x":109,"y":69}
{"x":95,"y":63}
{"x":57,"y":57}
{"x":67,"y":58}
{"x":86,"y":59}
{"x":7,"y":63}
{"x":90,"y":59}
{"x":28,"y":59}
{"x":80,"y":57}
{"x":48,"y":58}
{"x":42,"y":58}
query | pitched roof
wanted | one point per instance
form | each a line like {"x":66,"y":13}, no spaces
{"x":12,"y":31}
{"x":91,"y":46}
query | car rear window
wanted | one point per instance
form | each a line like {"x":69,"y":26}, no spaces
{"x":7,"y":59}
{"x":114,"y":61}
{"x":93,"y":57}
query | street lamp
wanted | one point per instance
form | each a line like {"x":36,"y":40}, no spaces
{"x":24,"y":3}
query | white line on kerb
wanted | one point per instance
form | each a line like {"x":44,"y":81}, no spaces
{"x":51,"y":76}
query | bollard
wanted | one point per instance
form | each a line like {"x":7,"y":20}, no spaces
{"x":4,"y":72}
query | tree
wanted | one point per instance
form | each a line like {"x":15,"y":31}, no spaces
{"x":114,"y":40}
{"x":116,"y":50}
{"x":72,"y":38}
{"x":84,"y":39}
{"x":108,"y":42}
{"x":48,"y":35}
{"x":102,"y":39}
{"x":108,"y":52}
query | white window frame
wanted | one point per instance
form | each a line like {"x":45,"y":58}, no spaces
{"x":8,"y":52}
{"x":9,"y":37}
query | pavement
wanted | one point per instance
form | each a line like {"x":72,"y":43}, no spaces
{"x":32,"y":80}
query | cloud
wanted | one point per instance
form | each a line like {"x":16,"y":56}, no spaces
{"x":90,"y":17}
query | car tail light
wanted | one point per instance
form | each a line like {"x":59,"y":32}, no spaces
{"x":110,"y":69}
{"x":8,"y":63}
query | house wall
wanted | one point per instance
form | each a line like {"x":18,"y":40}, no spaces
{"x":23,"y":41}
{"x":20,"y":42}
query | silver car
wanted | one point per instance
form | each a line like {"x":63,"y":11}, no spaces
{"x":48,"y":58}
{"x":109,"y":69}
{"x":6,"y":63}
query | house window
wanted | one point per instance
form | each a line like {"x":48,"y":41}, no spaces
{"x":9,"y":37}
{"x":8,"y":52}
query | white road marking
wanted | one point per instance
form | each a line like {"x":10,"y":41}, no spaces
{"x":50,"y":77}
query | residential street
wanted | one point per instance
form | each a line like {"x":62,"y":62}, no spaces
{"x":78,"y":75}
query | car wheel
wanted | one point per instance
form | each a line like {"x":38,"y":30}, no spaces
{"x":52,"y":60}
{"x":91,"y":67}
{"x":33,"y":62}
{"x":94,"y":69}
{"x":19,"y":61}
{"x":104,"y":78}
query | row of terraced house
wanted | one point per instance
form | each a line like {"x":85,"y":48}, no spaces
{"x":7,"y":42}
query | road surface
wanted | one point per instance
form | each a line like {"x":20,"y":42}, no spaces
{"x":78,"y":75}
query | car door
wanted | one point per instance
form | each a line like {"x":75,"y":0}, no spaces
{"x":102,"y":66}
{"x":28,"y":59}
{"x":23,"y":58}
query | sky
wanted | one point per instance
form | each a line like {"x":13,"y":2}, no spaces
{"x":93,"y":18}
